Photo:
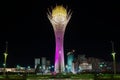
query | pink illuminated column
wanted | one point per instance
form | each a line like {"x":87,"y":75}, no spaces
{"x":59,"y":18}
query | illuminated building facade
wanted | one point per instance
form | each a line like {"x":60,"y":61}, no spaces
{"x":59,"y":17}
{"x":43,"y":62}
{"x":70,"y":58}
{"x":37,"y":61}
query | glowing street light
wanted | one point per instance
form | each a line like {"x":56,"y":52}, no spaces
{"x":5,"y":58}
{"x":113,"y":55}
{"x":114,"y":62}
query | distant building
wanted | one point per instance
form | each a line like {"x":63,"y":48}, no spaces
{"x":95,"y":63}
{"x":43,"y":62}
{"x":85,"y":66}
{"x":37,"y":61}
{"x":70,"y":58}
{"x":48,"y":63}
{"x":48,"y":66}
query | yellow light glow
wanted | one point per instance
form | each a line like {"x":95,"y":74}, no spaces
{"x":59,"y":10}
{"x":59,"y":13}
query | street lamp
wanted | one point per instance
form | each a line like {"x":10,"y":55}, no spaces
{"x":5,"y":58}
{"x":114,"y":60}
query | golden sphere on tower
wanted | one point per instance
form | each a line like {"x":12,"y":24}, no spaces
{"x":59,"y":14}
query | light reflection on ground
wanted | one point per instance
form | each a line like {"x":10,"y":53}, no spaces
{"x":60,"y":79}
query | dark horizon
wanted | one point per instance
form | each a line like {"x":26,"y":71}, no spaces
{"x":30,"y":34}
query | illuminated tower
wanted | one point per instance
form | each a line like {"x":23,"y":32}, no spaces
{"x":59,"y":17}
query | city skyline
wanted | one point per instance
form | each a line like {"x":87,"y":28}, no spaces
{"x":29,"y":34}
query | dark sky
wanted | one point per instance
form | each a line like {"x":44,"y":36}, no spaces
{"x":24,"y":24}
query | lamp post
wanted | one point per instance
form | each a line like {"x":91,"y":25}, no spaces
{"x":5,"y":59}
{"x":114,"y":60}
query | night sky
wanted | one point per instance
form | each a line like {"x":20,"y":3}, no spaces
{"x":24,"y":24}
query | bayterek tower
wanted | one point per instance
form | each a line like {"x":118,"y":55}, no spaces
{"x":59,"y":17}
